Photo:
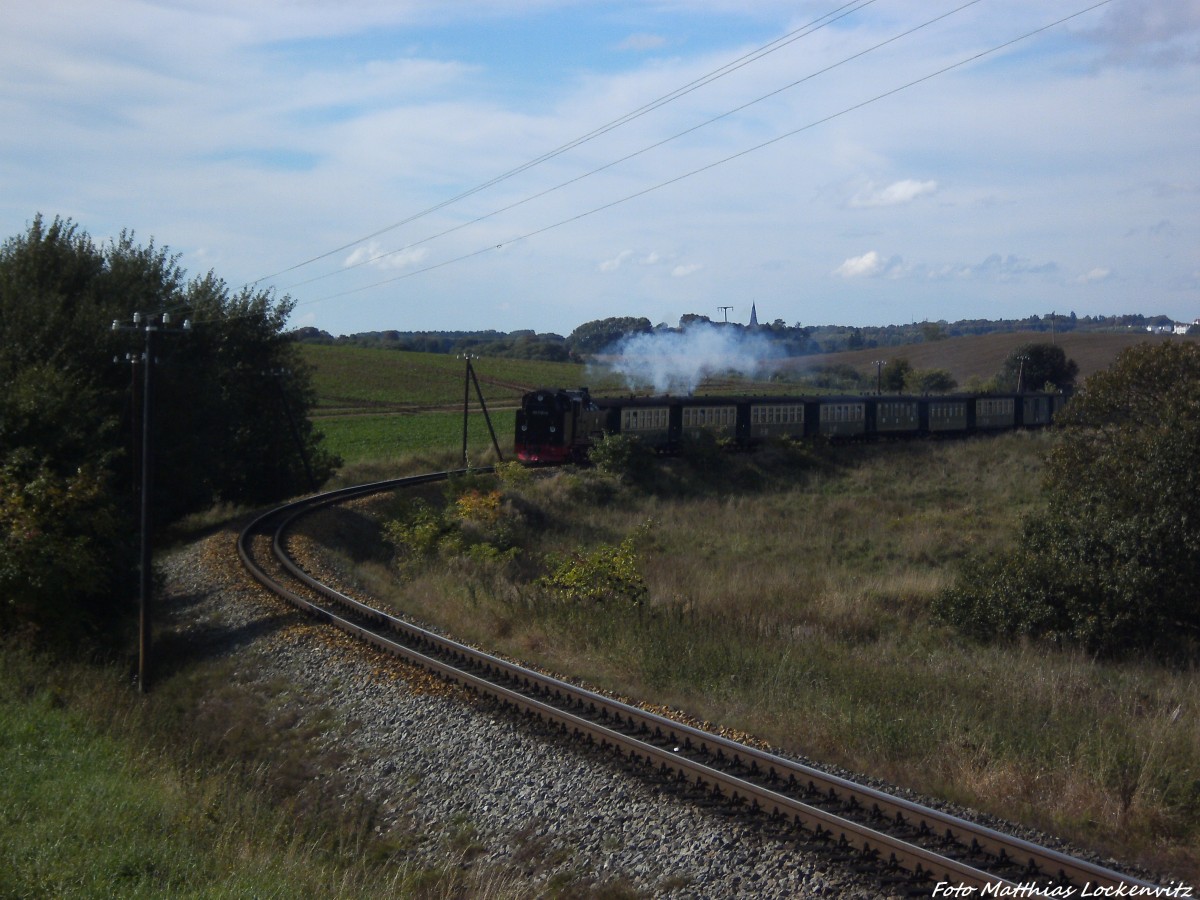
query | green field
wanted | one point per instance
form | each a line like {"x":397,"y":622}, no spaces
{"x":356,"y":380}
{"x":380,"y":438}
{"x":375,"y":405}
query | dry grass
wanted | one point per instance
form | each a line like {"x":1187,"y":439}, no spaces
{"x":798,"y":611}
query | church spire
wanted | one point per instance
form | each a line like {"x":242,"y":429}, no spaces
{"x":753,"y":317}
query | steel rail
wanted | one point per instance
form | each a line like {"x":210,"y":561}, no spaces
{"x":666,"y":744}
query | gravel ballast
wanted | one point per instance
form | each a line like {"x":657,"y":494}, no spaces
{"x":465,"y":784}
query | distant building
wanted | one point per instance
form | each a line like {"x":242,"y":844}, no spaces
{"x":1173,"y":328}
{"x":753,"y":317}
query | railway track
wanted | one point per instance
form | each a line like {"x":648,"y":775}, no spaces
{"x":906,"y":845}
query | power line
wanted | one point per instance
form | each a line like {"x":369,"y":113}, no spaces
{"x":719,"y":162}
{"x":753,"y":56}
{"x":640,"y":152}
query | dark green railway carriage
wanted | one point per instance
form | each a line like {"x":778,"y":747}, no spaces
{"x":556,"y":426}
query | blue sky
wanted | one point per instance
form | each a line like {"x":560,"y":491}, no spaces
{"x":1056,"y":174}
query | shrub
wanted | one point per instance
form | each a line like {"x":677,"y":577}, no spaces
{"x":477,"y":524}
{"x":606,"y":574}
{"x":53,"y":559}
{"x":478,"y":506}
{"x":1113,"y":560}
{"x":418,"y":533}
{"x":622,"y":455}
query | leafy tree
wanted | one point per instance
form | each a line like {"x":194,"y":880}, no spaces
{"x":1113,"y":561}
{"x":595,"y":336}
{"x":1031,"y":367}
{"x":895,"y":374}
{"x":933,"y":331}
{"x":238,"y":384}
{"x":929,"y":381}
{"x":66,"y":416}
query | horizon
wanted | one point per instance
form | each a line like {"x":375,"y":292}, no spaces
{"x":529,"y":165}
{"x":1051,"y":316}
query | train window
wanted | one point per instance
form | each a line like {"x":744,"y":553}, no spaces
{"x":709,"y":416}
{"x":785,"y":414}
{"x":843,"y":412}
{"x":947,"y":410}
{"x":996,"y":407}
{"x":653,"y":419}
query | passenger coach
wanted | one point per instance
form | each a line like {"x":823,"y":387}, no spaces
{"x":555,"y":425}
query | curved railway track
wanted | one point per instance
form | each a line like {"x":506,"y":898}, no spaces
{"x":903,"y":842}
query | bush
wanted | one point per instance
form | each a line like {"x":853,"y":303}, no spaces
{"x":58,"y":532}
{"x":622,"y":455}
{"x":929,"y":381}
{"x":607,"y":574}
{"x":1112,"y":562}
{"x":479,"y":524}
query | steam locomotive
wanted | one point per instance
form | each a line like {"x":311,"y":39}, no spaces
{"x":556,"y":425}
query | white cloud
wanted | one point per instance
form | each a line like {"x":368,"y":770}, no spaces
{"x":1094,"y":276}
{"x":1005,"y":268}
{"x":869,"y":265}
{"x":611,"y":265}
{"x":683,"y":271}
{"x":895,"y":194}
{"x":653,"y":258}
{"x":376,"y":257}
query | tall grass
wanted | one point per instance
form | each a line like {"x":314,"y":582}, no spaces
{"x":204,"y":790}
{"x":798,"y":610}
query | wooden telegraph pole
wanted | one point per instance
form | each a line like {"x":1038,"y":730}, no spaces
{"x":150,"y":330}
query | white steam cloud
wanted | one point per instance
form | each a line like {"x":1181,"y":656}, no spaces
{"x":675,"y":362}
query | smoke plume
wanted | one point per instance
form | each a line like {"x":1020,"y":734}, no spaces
{"x":675,"y":362}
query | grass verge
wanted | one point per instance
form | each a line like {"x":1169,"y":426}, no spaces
{"x":202,"y":789}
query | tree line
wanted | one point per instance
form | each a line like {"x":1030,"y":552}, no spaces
{"x":601,"y":335}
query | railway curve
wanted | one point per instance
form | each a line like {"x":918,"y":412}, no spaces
{"x":900,"y":841}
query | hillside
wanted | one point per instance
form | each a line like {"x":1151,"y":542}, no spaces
{"x":983,"y":356}
{"x":355,"y":380}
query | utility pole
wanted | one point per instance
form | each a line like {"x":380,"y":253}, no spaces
{"x":467,"y":379}
{"x":725,"y":309}
{"x":466,"y":404}
{"x":1021,"y":372}
{"x":878,"y":364}
{"x":150,"y":331}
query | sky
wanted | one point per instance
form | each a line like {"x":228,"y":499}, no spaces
{"x":537,"y":164}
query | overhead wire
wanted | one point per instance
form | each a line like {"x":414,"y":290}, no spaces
{"x":720,"y":72}
{"x":636,"y":153}
{"x":720,"y":162}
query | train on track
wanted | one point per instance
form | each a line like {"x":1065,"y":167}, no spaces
{"x":556,"y":425}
